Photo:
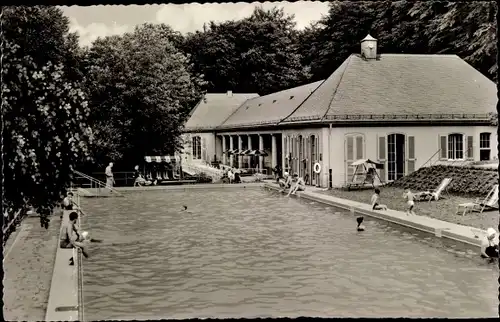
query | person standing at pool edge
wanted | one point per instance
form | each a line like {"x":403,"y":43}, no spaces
{"x":408,"y":195}
{"x":109,"y":176}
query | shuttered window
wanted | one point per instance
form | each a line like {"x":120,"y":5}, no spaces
{"x":204,"y":148}
{"x":381,"y":156}
{"x":411,"y":154}
{"x":443,"y":147}
{"x":350,"y":148}
{"x":470,"y":147}
{"x":381,"y":148}
{"x":359,"y":147}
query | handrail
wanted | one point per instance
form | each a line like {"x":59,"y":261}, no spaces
{"x":12,"y":221}
{"x":79,"y":275}
{"x":94,"y":180}
{"x":439,"y":150}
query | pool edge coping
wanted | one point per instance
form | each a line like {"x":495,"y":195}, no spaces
{"x":61,"y":294}
{"x":441,"y":230}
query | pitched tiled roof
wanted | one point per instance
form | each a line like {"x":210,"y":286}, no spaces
{"x":270,"y":108}
{"x":400,"y":84}
{"x":214,"y":109}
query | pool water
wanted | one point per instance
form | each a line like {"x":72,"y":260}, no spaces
{"x":250,"y":253}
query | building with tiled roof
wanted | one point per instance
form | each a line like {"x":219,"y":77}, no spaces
{"x":404,"y":111}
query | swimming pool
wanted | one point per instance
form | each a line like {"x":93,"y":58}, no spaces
{"x":250,"y":252}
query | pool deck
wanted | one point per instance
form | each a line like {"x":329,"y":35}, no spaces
{"x":439,"y":228}
{"x":63,"y":297}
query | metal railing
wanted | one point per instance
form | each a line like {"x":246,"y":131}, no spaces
{"x":429,"y":161}
{"x":94,"y":183}
{"x":9,"y":219}
{"x":78,"y":258}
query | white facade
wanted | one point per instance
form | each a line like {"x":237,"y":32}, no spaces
{"x":199,"y":147}
{"x":401,"y":149}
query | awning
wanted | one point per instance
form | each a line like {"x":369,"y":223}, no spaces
{"x":245,"y":152}
{"x":162,"y":159}
{"x":258,"y":153}
{"x":368,"y":161}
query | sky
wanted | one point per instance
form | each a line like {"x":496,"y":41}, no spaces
{"x":99,"y":21}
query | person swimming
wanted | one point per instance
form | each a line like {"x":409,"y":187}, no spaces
{"x":489,"y":244}
{"x":375,"y":201}
{"x":360,"y":227}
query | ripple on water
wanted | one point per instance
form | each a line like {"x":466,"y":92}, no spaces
{"x":247,"y":251}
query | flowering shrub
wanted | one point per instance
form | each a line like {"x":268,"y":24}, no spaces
{"x":44,"y":131}
{"x":466,"y":180}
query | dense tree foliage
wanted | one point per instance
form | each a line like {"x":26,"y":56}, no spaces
{"x":44,"y":111}
{"x":141,"y":89}
{"x":258,"y":54}
{"x":467,"y":29}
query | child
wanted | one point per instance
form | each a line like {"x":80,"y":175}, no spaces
{"x":375,"y":201}
{"x":410,"y":203}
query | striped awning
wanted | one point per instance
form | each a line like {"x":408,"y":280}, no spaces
{"x":162,"y":159}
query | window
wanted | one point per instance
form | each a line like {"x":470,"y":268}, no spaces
{"x":455,"y":146}
{"x":484,"y":146}
{"x":196,"y":147}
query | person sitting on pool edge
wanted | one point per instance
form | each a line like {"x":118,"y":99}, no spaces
{"x":285,"y":182}
{"x":375,"y":201}
{"x":299,"y":185}
{"x":68,"y":203}
{"x":72,"y":238}
{"x":489,"y":244}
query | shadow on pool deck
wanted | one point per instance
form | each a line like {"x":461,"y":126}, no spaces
{"x":28,"y":269}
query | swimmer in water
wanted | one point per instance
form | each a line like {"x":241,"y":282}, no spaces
{"x":410,"y":203}
{"x":489,"y":244}
{"x":360,"y":226}
{"x":184,"y":209}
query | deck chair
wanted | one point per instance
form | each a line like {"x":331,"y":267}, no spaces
{"x":490,"y":202}
{"x":358,"y":180}
{"x":433,"y":195}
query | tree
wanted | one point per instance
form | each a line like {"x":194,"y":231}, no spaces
{"x":327,"y":43}
{"x":256,"y":54}
{"x":141,"y":89}
{"x":467,"y":29}
{"x":44,"y":112}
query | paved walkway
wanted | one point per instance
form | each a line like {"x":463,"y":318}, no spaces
{"x":440,"y":228}
{"x":28,"y":265}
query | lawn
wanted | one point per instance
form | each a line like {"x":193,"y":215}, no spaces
{"x":443,"y":209}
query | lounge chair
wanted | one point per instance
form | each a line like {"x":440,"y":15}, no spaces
{"x":433,"y":195}
{"x":488,"y":203}
{"x":358,"y":181}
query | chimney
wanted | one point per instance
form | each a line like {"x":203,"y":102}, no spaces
{"x":230,"y":93}
{"x":369,"y":47}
